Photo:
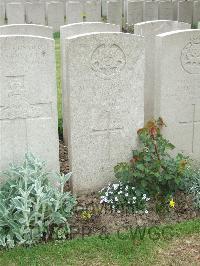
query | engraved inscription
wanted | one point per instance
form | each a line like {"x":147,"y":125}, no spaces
{"x":17,"y":105}
{"x":193,"y":123}
{"x":190,"y":56}
{"x":107,"y":60}
{"x":109,"y":126}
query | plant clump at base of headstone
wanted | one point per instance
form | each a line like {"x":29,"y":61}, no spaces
{"x":152,"y":173}
{"x":32,"y":209}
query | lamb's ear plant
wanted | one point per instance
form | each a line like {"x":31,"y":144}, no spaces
{"x":32,"y":209}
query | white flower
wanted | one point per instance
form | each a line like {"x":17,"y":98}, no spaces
{"x":120,"y":192}
{"x":126,"y":188}
{"x":115,"y":186}
{"x":116,"y":199}
{"x":133,"y":202}
{"x":133,"y":188}
{"x":147,"y":199}
{"x":106,"y":194}
{"x":118,"y":211}
{"x":134,"y":198}
{"x":128,"y":202}
{"x":144,"y":196}
{"x":146,"y":211}
{"x":126,"y":194}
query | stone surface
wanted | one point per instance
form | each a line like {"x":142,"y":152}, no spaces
{"x":104,"y":8}
{"x":2,"y":13}
{"x":150,"y":10}
{"x":35,"y":13}
{"x":28,"y":109}
{"x":114,"y":12}
{"x":15,"y":13}
{"x":165,"y":10}
{"x":27,"y":29}
{"x":93,"y":11}
{"x":149,"y":30}
{"x":74,"y":12}
{"x":185,"y":9}
{"x":106,"y":79}
{"x":70,"y":31}
{"x":55,"y":15}
{"x":196,"y":12}
{"x":134,"y":12}
{"x":177,"y":89}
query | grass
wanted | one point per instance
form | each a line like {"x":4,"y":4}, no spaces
{"x":116,"y":249}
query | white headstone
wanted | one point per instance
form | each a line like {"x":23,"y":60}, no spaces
{"x":28,"y":109}
{"x":105,"y":75}
{"x":175,"y":9}
{"x":15,"y":13}
{"x":196,"y":12}
{"x":134,"y":12}
{"x":149,"y":30}
{"x":70,"y":31}
{"x":2,"y":13}
{"x":104,"y":8}
{"x":35,"y":13}
{"x":27,"y":29}
{"x":165,"y":10}
{"x":150,"y":11}
{"x":177,"y":89}
{"x":74,"y":12}
{"x":114,"y":12}
{"x":55,"y":15}
{"x":185,"y":10}
{"x":92,"y":11}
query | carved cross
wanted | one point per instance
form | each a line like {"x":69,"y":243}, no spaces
{"x":108,"y":130}
{"x":193,"y":123}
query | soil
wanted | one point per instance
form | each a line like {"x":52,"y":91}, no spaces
{"x":103,"y":220}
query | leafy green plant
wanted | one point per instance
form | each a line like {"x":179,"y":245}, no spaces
{"x":153,"y":169}
{"x":31,"y":208}
{"x":124,"y":197}
{"x":192,"y":185}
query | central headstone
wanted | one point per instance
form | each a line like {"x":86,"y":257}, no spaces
{"x":106,"y":77}
{"x":28,"y":109}
{"x":70,"y":31}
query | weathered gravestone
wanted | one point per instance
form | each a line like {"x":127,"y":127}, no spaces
{"x":106,"y":78}
{"x":2,"y":13}
{"x":185,"y":10}
{"x":55,"y":15}
{"x":150,"y":10}
{"x":28,"y":109}
{"x":27,"y":29}
{"x":165,"y":11}
{"x":114,"y":12}
{"x":177,"y":89}
{"x":104,"y":8}
{"x":74,"y":12}
{"x":93,"y":11}
{"x":70,"y":31}
{"x":149,"y":30}
{"x":35,"y":13}
{"x":15,"y":13}
{"x":134,"y":12}
{"x":196,"y":12}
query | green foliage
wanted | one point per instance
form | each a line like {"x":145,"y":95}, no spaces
{"x":124,"y":197}
{"x":31,"y":208}
{"x":153,"y":169}
{"x":192,"y":185}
